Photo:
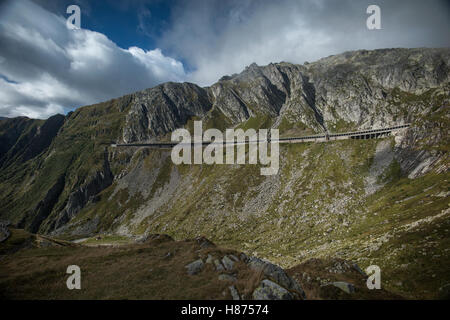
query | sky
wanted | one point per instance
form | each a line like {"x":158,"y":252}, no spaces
{"x":127,"y":46}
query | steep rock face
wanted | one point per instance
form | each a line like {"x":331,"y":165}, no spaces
{"x":160,"y":110}
{"x":370,"y":88}
{"x":35,"y":193}
{"x":259,"y":90}
{"x":362,"y":89}
{"x":97,"y":182}
{"x":45,"y":206}
{"x":22,"y":139}
{"x":11,"y":131}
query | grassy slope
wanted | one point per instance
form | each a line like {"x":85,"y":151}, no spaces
{"x":139,"y":271}
{"x":301,"y":221}
{"x":30,"y":269}
{"x":75,"y":154}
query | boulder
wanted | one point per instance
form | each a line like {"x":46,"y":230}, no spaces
{"x":141,"y":239}
{"x":4,"y":231}
{"x":232,"y":256}
{"x":195,"y":267}
{"x":269,"y":290}
{"x":344,"y":286}
{"x":219,"y":266}
{"x":227,"y":263}
{"x":234,"y":293}
{"x":277,"y":274}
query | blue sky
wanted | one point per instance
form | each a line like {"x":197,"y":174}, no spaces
{"x":128,"y":24}
{"x":126,"y":46}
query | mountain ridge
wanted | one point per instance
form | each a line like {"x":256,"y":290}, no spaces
{"x":320,"y":204}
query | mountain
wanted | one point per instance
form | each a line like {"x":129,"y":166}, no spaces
{"x":380,"y":201}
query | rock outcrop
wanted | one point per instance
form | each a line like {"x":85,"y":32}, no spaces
{"x":4,"y":231}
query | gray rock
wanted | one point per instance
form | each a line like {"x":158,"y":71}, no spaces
{"x":162,"y":109}
{"x":269,"y":290}
{"x":141,"y":239}
{"x":195,"y":267}
{"x":209,"y":259}
{"x":277,"y":274}
{"x":344,"y":286}
{"x":227,"y":263}
{"x":234,"y":293}
{"x":5,"y":223}
{"x":4,"y":231}
{"x":78,"y":198}
{"x":234,"y":257}
{"x":219,"y":266}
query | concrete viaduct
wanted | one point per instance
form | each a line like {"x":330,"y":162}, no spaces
{"x":363,"y":134}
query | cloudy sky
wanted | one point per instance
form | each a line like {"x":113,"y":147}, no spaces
{"x":125,"y":46}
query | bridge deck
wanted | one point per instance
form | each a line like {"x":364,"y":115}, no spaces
{"x":321,"y":137}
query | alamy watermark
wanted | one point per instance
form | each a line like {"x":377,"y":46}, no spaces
{"x":217,"y":148}
{"x":74,"y":280}
{"x":374,"y":279}
{"x":74,"y":20}
{"x":374,"y":20}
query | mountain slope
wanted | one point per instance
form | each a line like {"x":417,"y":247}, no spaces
{"x":362,"y":200}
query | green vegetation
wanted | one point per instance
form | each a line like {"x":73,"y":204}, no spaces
{"x":154,"y":270}
{"x":76,"y":155}
{"x":18,"y":239}
{"x":107,"y":239}
{"x":260,"y":121}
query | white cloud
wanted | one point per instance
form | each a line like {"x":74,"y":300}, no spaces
{"x":222,"y":37}
{"x":46,"y":68}
{"x":157,"y":63}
